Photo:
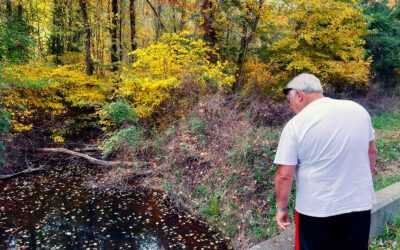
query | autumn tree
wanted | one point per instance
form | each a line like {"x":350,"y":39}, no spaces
{"x":252,"y":11}
{"x":323,"y":38}
{"x":176,"y":64}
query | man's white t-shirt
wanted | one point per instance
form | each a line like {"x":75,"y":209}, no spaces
{"x":328,"y":142}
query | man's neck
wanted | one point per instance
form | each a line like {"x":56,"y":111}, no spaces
{"x":311,"y":97}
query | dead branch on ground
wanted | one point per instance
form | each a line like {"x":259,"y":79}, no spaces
{"x":26,"y":171}
{"x":87,"y":157}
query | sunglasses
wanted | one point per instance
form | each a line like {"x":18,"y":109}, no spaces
{"x":286,"y":90}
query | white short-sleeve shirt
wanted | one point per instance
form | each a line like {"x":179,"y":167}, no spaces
{"x":328,"y":143}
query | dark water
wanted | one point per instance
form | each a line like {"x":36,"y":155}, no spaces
{"x":55,"y":210}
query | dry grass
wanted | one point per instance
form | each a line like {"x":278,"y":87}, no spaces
{"x":217,"y":163}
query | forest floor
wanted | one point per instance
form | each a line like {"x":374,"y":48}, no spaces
{"x":217,"y":163}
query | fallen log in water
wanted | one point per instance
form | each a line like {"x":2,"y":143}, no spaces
{"x":26,"y":171}
{"x":87,"y":157}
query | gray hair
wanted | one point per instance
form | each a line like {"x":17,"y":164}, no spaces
{"x":308,"y":83}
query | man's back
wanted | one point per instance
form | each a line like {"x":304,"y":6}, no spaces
{"x":329,"y":146}
{"x":331,"y":138}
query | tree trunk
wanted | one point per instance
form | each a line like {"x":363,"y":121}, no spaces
{"x":19,"y":12}
{"x":70,"y":37}
{"x":8,"y":16}
{"x":174,"y":17}
{"x":132,"y":15}
{"x":209,"y":32}
{"x":225,"y":52}
{"x":8,"y":8}
{"x":244,"y":44}
{"x":56,"y":44}
{"x":240,"y":60}
{"x":114,"y":46}
{"x":89,"y":60}
{"x":120,"y":33}
{"x":40,"y":46}
{"x":158,"y":21}
{"x":72,"y":33}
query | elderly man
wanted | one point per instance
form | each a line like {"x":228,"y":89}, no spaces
{"x":329,"y":147}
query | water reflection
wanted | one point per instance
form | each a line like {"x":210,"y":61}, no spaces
{"x":54,"y":210}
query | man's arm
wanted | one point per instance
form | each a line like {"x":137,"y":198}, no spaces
{"x":372,"y":154}
{"x":283,"y":185}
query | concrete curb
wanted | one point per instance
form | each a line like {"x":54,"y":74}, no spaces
{"x":284,"y":241}
{"x":385,"y":210}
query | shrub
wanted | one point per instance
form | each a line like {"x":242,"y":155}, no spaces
{"x":213,"y":207}
{"x":37,"y":92}
{"x":176,"y":61}
{"x":120,"y":112}
{"x":129,"y":138}
{"x":16,"y":45}
{"x":4,"y":126}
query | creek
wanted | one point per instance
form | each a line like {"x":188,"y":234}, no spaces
{"x":55,"y":210}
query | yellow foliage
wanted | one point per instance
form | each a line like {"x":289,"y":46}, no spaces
{"x":260,"y":79}
{"x":37,"y":91}
{"x":19,"y":127}
{"x":162,"y":67}
{"x":105,"y":122}
{"x":323,"y":37}
{"x":178,"y":61}
{"x":58,"y":138}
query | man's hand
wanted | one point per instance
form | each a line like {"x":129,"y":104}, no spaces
{"x":282,"y":219}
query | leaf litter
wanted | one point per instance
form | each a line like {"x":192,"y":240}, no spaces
{"x":57,"y":211}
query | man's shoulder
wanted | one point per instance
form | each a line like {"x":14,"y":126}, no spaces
{"x":345,"y":102}
{"x":350,"y":104}
{"x":295,"y":123}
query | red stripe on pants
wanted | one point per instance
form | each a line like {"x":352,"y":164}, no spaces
{"x":297,"y":230}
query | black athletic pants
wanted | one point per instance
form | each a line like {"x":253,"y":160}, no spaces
{"x":340,"y":232}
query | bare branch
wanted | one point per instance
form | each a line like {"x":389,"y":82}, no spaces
{"x":156,"y":14}
{"x":87,"y":157}
{"x":26,"y":171}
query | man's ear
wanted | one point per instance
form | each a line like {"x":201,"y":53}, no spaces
{"x":300,"y":95}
